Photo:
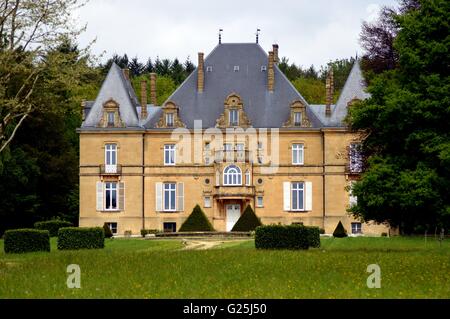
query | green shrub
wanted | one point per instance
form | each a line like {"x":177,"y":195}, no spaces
{"x":107,"y":231}
{"x":384,"y":234}
{"x":322,"y":231}
{"x":282,"y":237}
{"x":26,"y":240}
{"x":81,"y":238}
{"x":340,"y":231}
{"x":196,"y":222}
{"x":52,"y":226}
{"x":145,"y":232}
{"x":313,"y":237}
{"x":248,"y":221}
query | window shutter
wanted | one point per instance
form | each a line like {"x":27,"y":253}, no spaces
{"x":287,"y":196}
{"x":99,"y":196}
{"x":180,"y":197}
{"x":308,"y":196}
{"x":159,"y":193}
{"x":121,"y":196}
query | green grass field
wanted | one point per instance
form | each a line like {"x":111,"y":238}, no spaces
{"x":133,"y":268}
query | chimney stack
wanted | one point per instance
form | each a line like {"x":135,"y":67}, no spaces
{"x":276,"y":58}
{"x":330,"y":91}
{"x":201,"y":73}
{"x":143,"y":99}
{"x":126,"y":73}
{"x":153,"y":99}
{"x":83,"y":113}
{"x":271,"y":73}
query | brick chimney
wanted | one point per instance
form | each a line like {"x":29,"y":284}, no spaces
{"x":201,"y":73}
{"x":126,"y":73}
{"x":276,"y":58}
{"x":271,"y":73}
{"x":153,"y":99}
{"x":83,"y":113}
{"x":143,"y":99}
{"x":330,"y":91}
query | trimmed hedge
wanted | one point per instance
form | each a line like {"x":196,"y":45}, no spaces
{"x":196,"y":222}
{"x":145,"y":232}
{"x":340,"y":231}
{"x":282,"y":237}
{"x":313,"y":237}
{"x":248,"y":221}
{"x":73,"y":238}
{"x":26,"y":240}
{"x":52,"y":226}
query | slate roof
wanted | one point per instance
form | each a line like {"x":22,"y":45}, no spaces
{"x":264,"y":109}
{"x":355,"y":87}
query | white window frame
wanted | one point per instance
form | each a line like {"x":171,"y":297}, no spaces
{"x":263,"y":68}
{"x":236,"y":68}
{"x":231,"y":118}
{"x":357,"y":228}
{"x":260,"y":201}
{"x":298,"y":190}
{"x":299,"y":122}
{"x":298,"y":149}
{"x":170,"y":119}
{"x":109,"y":118}
{"x":355,"y":158}
{"x":110,"y":225}
{"x":235,"y":176}
{"x":207,"y":202}
{"x":171,"y":188}
{"x":109,"y":188}
{"x":209,"y":68}
{"x":111,"y":158}
{"x":170,"y":152}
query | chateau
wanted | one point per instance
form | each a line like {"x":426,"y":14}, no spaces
{"x":235,"y":133}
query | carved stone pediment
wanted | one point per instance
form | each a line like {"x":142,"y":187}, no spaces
{"x":298,"y":107}
{"x":233,"y":103}
{"x":170,"y":117}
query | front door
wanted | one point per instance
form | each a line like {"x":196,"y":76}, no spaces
{"x":233,"y":215}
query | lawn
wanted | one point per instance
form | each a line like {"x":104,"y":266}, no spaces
{"x":133,"y":268}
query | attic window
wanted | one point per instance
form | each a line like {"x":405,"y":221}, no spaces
{"x":263,"y":68}
{"x":236,"y":68}
{"x":209,"y":69}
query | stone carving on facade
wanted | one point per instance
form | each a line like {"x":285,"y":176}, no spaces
{"x":298,"y":107}
{"x":170,"y":108}
{"x":233,"y":102}
{"x":111,"y":108}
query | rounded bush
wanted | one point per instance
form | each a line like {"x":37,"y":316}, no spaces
{"x":81,"y":238}
{"x":26,"y":240}
{"x":52,"y":226}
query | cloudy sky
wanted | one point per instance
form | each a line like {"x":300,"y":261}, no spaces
{"x":308,"y":31}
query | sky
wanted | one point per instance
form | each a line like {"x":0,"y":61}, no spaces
{"x":307,"y":31}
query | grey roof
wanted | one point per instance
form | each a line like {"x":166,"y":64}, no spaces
{"x":118,"y":88}
{"x":355,"y":87}
{"x":264,"y":109}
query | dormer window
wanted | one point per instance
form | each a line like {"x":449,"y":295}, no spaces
{"x":170,"y":119}
{"x":236,"y":68}
{"x":209,"y":69}
{"x":111,"y":117}
{"x":297,"y":119}
{"x":234,"y":117}
{"x":263,"y":68}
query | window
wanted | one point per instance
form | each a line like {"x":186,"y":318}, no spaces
{"x":236,"y":68}
{"x":234,"y":117}
{"x":355,"y":158}
{"x":170,"y":227}
{"x":260,"y":201}
{"x":356,"y":228}
{"x":209,"y":69}
{"x":297,"y":119}
{"x":227,"y":147}
{"x":169,"y":119}
{"x":263,"y":68}
{"x":113,"y":227}
{"x":207,"y":153}
{"x":297,"y":190}
{"x":111,"y":197}
{"x":207,"y":203}
{"x":170,"y":195}
{"x":297,"y":154}
{"x":240,"y":152}
{"x":260,"y":146}
{"x":248,"y":178}
{"x":232,"y":176}
{"x":111,"y":117}
{"x":111,"y":158}
{"x":169,"y":154}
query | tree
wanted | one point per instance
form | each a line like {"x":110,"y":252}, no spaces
{"x":197,"y":222}
{"x":29,"y":30}
{"x":248,"y":221}
{"x":407,"y":148}
{"x":136,"y":68}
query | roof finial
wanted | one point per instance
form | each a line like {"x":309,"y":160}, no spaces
{"x":258,"y":31}
{"x":220,"y":36}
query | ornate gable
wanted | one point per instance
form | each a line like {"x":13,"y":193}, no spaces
{"x":234,"y":114}
{"x":170,"y":117}
{"x":298,"y":117}
{"x":110,"y":115}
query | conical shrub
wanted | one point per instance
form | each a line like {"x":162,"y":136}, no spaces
{"x":248,"y":221}
{"x":340,"y":231}
{"x":196,"y":222}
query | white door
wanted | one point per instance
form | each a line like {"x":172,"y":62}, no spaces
{"x":233,"y":215}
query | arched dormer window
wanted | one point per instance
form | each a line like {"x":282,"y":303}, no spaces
{"x":232,"y":176}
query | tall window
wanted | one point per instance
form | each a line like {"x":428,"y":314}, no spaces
{"x":232,"y":176}
{"x":297,"y":119}
{"x":207,"y":153}
{"x":111,"y":196}
{"x":170,"y":192}
{"x":111,"y":117}
{"x":169,"y":154}
{"x":298,"y":190}
{"x":297,"y":154}
{"x":260,"y":201}
{"x":169,"y":119}
{"x":111,"y":154}
{"x":355,"y":158}
{"x":234,"y":117}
